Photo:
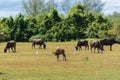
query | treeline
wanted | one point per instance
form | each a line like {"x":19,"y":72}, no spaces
{"x":53,"y":26}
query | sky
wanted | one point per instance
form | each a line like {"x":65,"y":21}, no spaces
{"x":14,"y":7}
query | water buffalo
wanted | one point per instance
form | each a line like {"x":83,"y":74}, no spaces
{"x":38,"y":42}
{"x":95,"y":44}
{"x":58,"y":52}
{"x":82,"y":43}
{"x":10,"y":44}
{"x":108,"y":41}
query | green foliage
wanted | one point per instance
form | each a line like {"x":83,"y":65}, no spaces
{"x":62,"y":31}
{"x":20,"y":26}
{"x":79,"y":23}
{"x":99,"y":27}
{"x":77,"y":18}
{"x":77,"y":9}
{"x":52,"y":19}
{"x":10,"y":23}
{"x":115,"y":30}
{"x":4,"y":31}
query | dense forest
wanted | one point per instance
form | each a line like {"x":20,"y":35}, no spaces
{"x":78,"y":23}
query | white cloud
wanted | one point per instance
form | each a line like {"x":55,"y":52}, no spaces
{"x":111,"y":6}
{"x":10,"y":7}
{"x":8,"y":13}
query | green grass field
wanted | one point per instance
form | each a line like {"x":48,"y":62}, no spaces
{"x":26,"y":65}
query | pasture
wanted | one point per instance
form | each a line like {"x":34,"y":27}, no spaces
{"x":25,"y":64}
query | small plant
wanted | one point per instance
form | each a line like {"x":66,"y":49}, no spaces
{"x":38,"y":37}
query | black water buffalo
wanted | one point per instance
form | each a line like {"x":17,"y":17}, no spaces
{"x":96,"y":44}
{"x":38,"y":42}
{"x":82,"y":43}
{"x":58,"y":52}
{"x":108,"y":41}
{"x":10,"y":44}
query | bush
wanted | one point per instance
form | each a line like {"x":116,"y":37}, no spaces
{"x":39,"y":36}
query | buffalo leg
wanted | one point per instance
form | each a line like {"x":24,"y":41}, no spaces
{"x":98,"y":50}
{"x":80,"y":48}
{"x":110,"y":47}
{"x":58,"y":57}
{"x":88,"y":47}
{"x":9,"y":50}
{"x":94,"y":49}
{"x":85,"y":48}
{"x":64,"y":57}
{"x":33,"y":45}
{"x":102,"y":47}
{"x":91,"y":49}
{"x":40,"y":47}
{"x":12,"y":50}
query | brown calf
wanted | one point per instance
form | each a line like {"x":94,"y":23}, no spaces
{"x":59,"y":52}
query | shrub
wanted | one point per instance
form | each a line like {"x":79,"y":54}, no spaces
{"x":38,"y":36}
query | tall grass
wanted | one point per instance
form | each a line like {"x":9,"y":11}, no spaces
{"x":26,"y":65}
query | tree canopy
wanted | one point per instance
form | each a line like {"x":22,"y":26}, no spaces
{"x":53,"y":26}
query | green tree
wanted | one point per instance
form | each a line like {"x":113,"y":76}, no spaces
{"x":115,"y":30}
{"x":77,"y":18}
{"x":52,"y":19}
{"x":10,"y":23}
{"x":63,"y":31}
{"x":20,"y":27}
{"x":44,"y":24}
{"x":99,"y":27}
{"x":4,"y":31}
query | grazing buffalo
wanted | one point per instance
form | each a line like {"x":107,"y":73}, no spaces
{"x":82,"y":43}
{"x":10,"y":44}
{"x":108,"y":41}
{"x":95,"y":44}
{"x":38,"y":42}
{"x":58,"y":52}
